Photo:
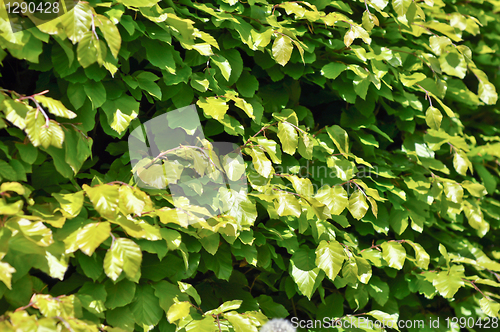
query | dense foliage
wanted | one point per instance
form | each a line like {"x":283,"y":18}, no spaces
{"x":370,"y":136}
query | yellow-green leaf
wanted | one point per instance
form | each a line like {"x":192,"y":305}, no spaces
{"x":104,"y":198}
{"x":329,"y":257}
{"x":178,"y":311}
{"x":55,"y":107}
{"x":123,"y":255}
{"x":358,"y":205}
{"x":288,"y":137}
{"x":433,"y":118}
{"x":214,"y":107}
{"x":92,"y":235}
{"x":6,"y":274}
{"x":282,"y":49}
{"x":394,"y":254}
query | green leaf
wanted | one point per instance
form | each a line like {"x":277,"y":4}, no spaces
{"x":421,"y":256}
{"x":461,"y":162}
{"x":454,"y":192}
{"x":110,"y":32}
{"x":245,"y":106}
{"x":240,"y":322}
{"x":168,"y":294}
{"x":34,"y":123}
{"x":223,"y":65}
{"x":71,"y":204}
{"x":335,"y":198}
{"x":213,"y":107}
{"x":490,"y":307}
{"x":199,"y":82}
{"x":27,"y":152}
{"x":433,"y":118}
{"x":449,"y":282}
{"x":77,"y":22}
{"x":96,"y":93}
{"x":401,"y":6}
{"x":282,"y":49}
{"x":6,"y":274}
{"x":349,"y":37}
{"x":75,"y":157}
{"x":211,"y":243}
{"x":55,"y":107}
{"x":132,"y":200}
{"x":239,"y":206}
{"x":7,"y":171}
{"x":119,"y":294}
{"x":271,"y":308}
{"x":221,"y":263}
{"x":304,"y":271}
{"x":350,"y":271}
{"x":92,"y":235}
{"x":306,"y":146}
{"x":398,"y":220}
{"x":369,"y":20}
{"x":233,"y":166}
{"x":343,"y":168}
{"x":206,"y":324}
{"x":329,"y":257}
{"x":88,"y":49}
{"x":262,"y":165}
{"x":247,"y":85}
{"x":121,"y":121}
{"x":487,"y":93}
{"x":357,"y":204}
{"x":453,"y":64}
{"x":12,"y":186}
{"x":146,"y":306}
{"x":394,"y":254}
{"x":15,"y":112}
{"x":120,"y":112}
{"x":390,"y":320}
{"x":333,"y":70}
{"x":378,"y":290}
{"x":92,"y":266}
{"x":439,"y":43}
{"x":412,"y":79}
{"x":178,"y":311}
{"x":226,"y":306}
{"x":364,"y":270}
{"x":288,"y":137}
{"x":123,"y":255}
{"x":51,"y":135}
{"x":190,"y":290}
{"x":339,"y":138}
{"x":475,"y":189}
{"x":104,"y":198}
{"x":489,"y":181}
{"x":475,"y":217}
{"x":146,"y":82}
{"x":287,"y":205}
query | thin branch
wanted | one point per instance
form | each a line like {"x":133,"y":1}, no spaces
{"x":120,"y":182}
{"x":261,"y":130}
{"x":477,"y":288}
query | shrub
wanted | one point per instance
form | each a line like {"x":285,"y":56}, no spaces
{"x":368,"y":132}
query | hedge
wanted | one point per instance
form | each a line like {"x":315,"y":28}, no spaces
{"x":369,"y":136}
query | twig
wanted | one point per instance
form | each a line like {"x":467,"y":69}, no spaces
{"x":261,"y":130}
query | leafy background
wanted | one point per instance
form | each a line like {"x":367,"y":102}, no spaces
{"x":403,"y":91}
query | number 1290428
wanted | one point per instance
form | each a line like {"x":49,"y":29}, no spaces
{"x":32,"y":7}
